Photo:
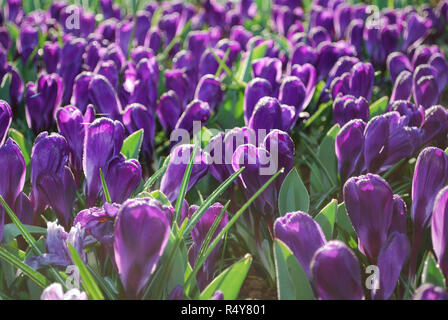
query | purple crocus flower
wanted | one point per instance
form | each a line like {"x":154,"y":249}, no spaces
{"x":50,"y":174}
{"x":402,"y":87}
{"x":439,"y":229}
{"x":169,"y":110}
{"x":349,"y":148}
{"x":177,"y":81}
{"x":209,"y":90}
{"x":99,"y":223}
{"x":269,"y":69}
{"x":5,"y":120}
{"x":104,"y":98}
{"x":122,"y":177}
{"x":70,"y":64}
{"x":199,"y":233}
{"x":292,"y":92}
{"x":429,"y":291}
{"x":180,"y":157}
{"x":435,"y":126}
{"x":103,"y":141}
{"x":196,"y":110}
{"x":80,"y":98}
{"x":269,"y":114}
{"x":52,"y":53}
{"x":335,"y":273}
{"x":370,"y":219}
{"x":72,"y":125}
{"x":391,"y":259}
{"x":415,"y":32}
{"x":109,"y":70}
{"x":28,"y":41}
{"x":141,"y":235}
{"x":57,"y":249}
{"x":256,"y":89}
{"x":302,"y":234}
{"x":346,"y":108}
{"x":42,"y":100}
{"x":306,"y":73}
{"x":55,"y":292}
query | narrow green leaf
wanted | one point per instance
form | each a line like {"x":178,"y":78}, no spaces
{"x":184,"y":185}
{"x":292,"y":281}
{"x":156,"y":176}
{"x":343,"y":220}
{"x":37,"y":277}
{"x":161,"y":197}
{"x":326,"y":218}
{"x":105,"y":189}
{"x":378,"y":107}
{"x":229,"y":282}
{"x":88,"y":283}
{"x":432,"y":273}
{"x":18,"y":137}
{"x":293,"y":195}
{"x":132,"y":145}
{"x":5,"y":88}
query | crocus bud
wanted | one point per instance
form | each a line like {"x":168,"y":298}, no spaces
{"x":153,"y":39}
{"x":109,"y":71}
{"x":402,"y":87}
{"x":302,"y":234}
{"x":370,"y":219}
{"x":388,"y":140}
{"x":141,"y":227}
{"x":70,"y":64}
{"x":104,"y":139}
{"x":354,"y":34}
{"x":430,"y":175}
{"x":51,"y":55}
{"x":52,"y":182}
{"x":208,"y":63}
{"x":137,"y":117}
{"x":292,"y":92}
{"x":439,"y":229}
{"x":391,"y":259}
{"x":398,"y":223}
{"x":71,"y":124}
{"x":169,"y":110}
{"x":435,"y":125}
{"x":349,"y":148}
{"x":302,"y":54}
{"x":80,"y":97}
{"x":429,"y":291}
{"x":329,"y":53}
{"x":177,"y":81}
{"x":209,"y":90}
{"x":103,"y":97}
{"x":269,"y":69}
{"x":306,"y":73}
{"x":335,"y":273}
{"x":180,"y":157}
{"x":5,"y":120}
{"x":199,"y":234}
{"x":425,"y":90}
{"x":256,"y":89}
{"x":42,"y":100}
{"x":397,"y":62}
{"x":122,"y":177}
{"x":13,"y":179}
{"x":28,"y":41}
{"x":416,"y":30}
{"x":346,"y":108}
{"x":197,"y":43}
{"x":196,"y":110}
{"x":124,"y":33}
{"x":269,"y":114}
{"x":415,"y":116}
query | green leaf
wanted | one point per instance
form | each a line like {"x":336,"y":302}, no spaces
{"x":161,"y":197}
{"x":159,"y":173}
{"x":293,"y":195}
{"x":229,"y":282}
{"x":292,"y":281}
{"x":34,"y":275}
{"x":231,"y":112}
{"x":132,"y":145}
{"x":343,"y":220}
{"x":5,"y":88}
{"x":326,"y":218}
{"x":327,"y":153}
{"x":184,"y":185}
{"x":105,"y":188}
{"x":432,"y":273}
{"x":88,"y":282}
{"x":18,"y":137}
{"x":11,"y":231}
{"x":379,"y":107}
